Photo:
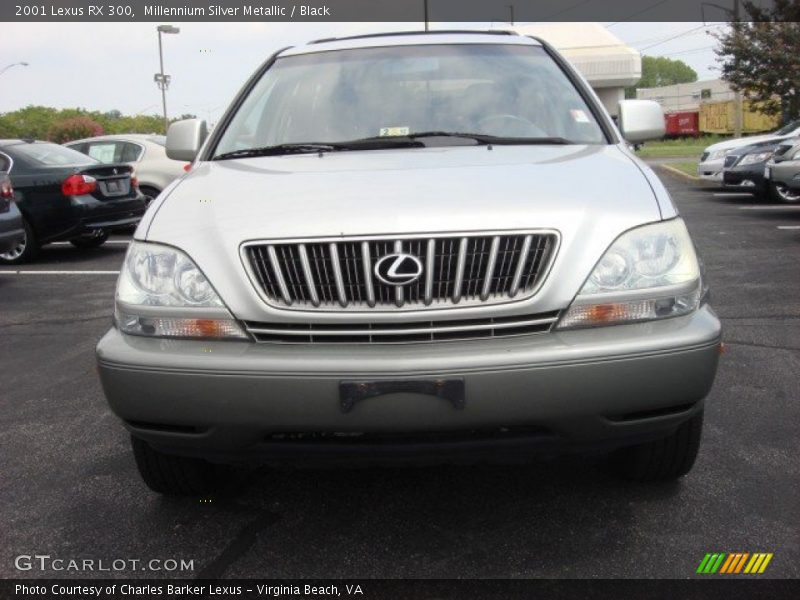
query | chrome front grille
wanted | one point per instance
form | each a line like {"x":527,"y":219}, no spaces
{"x":420,"y":331}
{"x":457,"y":269}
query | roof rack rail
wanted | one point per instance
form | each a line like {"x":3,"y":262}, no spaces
{"x":394,"y":33}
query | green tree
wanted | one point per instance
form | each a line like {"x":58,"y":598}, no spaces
{"x":759,"y":57}
{"x":658,"y":71}
{"x":36,"y":122}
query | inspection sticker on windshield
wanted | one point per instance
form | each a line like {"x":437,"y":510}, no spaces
{"x":578,"y":115}
{"x":393,"y":131}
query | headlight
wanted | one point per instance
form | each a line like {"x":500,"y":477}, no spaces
{"x":751,"y":159}
{"x":162,"y":293}
{"x":718,"y":154}
{"x":650,"y":272}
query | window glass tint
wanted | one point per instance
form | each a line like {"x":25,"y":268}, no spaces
{"x":495,"y":89}
{"x":51,"y":155}
{"x":130,"y":152}
{"x":105,"y":152}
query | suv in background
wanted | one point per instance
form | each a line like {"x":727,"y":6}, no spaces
{"x":382,"y":252}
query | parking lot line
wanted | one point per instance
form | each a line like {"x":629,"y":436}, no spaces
{"x":788,"y":226}
{"x":772,"y":207}
{"x":42,"y":272}
{"x":732,"y":194}
{"x":126,"y":242}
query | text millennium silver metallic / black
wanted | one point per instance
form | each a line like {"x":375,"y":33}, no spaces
{"x":248,"y":10}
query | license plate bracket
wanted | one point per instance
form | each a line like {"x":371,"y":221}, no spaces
{"x":352,"y":392}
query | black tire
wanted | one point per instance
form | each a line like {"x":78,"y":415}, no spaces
{"x":782,"y":193}
{"x":175,"y":475}
{"x":90,"y":240}
{"x":151,"y":193}
{"x":24,"y":252}
{"x":665,"y":459}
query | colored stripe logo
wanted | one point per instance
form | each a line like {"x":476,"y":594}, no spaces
{"x":734,"y":563}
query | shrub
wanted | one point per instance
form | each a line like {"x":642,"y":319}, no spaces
{"x":74,"y":129}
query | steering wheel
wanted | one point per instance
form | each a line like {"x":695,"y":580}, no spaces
{"x":513,"y":126}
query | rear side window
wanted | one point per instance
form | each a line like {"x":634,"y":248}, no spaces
{"x":50,"y":155}
{"x":113,"y":152}
{"x":4,"y":163}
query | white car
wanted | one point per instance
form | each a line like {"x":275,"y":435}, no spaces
{"x":144,"y":152}
{"x":712,"y":161}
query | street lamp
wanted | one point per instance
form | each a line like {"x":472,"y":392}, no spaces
{"x":7,"y":67}
{"x":162,"y":80}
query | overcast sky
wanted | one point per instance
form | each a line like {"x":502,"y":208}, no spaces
{"x":105,"y":66}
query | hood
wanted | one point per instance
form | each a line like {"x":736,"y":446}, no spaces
{"x":586,"y":193}
{"x":745,"y":141}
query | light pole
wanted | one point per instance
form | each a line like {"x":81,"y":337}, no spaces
{"x":7,"y":67}
{"x":162,"y":80}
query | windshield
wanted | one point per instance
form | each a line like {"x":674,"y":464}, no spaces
{"x":51,"y":155}
{"x":789,"y":128}
{"x":510,"y":91}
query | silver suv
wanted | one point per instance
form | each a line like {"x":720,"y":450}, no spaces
{"x":411,"y":247}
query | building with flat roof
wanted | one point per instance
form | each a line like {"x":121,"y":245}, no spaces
{"x":687,"y":97}
{"x":607,"y":63}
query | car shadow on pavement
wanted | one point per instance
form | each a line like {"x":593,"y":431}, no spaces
{"x":431,"y":522}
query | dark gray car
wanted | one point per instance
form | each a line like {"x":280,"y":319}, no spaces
{"x":782,"y":174}
{"x":11,"y":229}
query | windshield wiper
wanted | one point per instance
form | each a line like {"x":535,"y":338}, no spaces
{"x":412,"y":140}
{"x":480,"y":138}
{"x":304,"y":148}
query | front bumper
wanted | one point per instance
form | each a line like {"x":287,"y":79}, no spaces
{"x":786,"y":174}
{"x":711,"y":170}
{"x":749,"y":178}
{"x":230,"y":400}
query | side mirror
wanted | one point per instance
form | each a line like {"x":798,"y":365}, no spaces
{"x":184,"y":139}
{"x":641,"y":120}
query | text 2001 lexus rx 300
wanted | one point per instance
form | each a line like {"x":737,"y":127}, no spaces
{"x":424,"y":247}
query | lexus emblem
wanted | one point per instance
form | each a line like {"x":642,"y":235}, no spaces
{"x":398,"y":269}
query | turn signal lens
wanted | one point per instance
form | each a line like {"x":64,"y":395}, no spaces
{"x":174,"y":327}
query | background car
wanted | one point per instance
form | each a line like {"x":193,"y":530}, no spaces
{"x":65,"y":195}
{"x":782,"y":174}
{"x":744,"y":168}
{"x":145,"y":153}
{"x":712,"y":161}
{"x":11,"y":231}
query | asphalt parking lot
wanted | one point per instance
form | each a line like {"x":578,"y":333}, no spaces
{"x":69,"y":487}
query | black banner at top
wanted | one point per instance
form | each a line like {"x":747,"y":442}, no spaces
{"x":511,"y":11}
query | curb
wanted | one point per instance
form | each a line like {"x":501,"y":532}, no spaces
{"x":678,"y":172}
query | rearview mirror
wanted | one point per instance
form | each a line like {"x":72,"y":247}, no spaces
{"x":184,"y":139}
{"x":641,"y":120}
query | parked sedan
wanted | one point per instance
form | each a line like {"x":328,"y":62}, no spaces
{"x":145,"y":153}
{"x":11,"y":231}
{"x":783,"y":174}
{"x":744,"y":169}
{"x":65,"y":195}
{"x":713,"y":159}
